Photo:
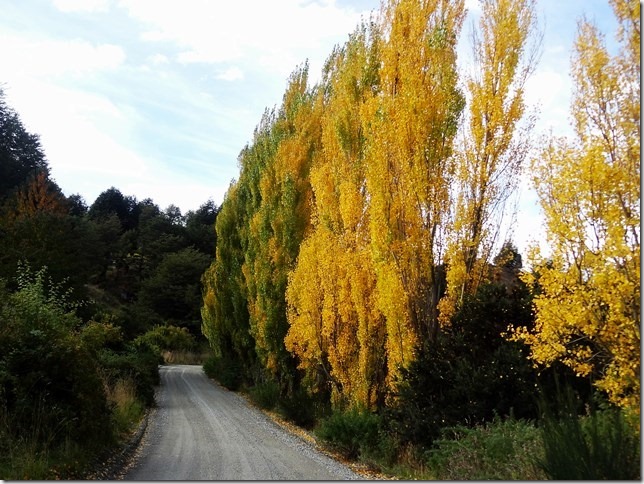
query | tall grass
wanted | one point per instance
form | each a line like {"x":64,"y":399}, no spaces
{"x":127,"y":409}
{"x":601,"y":445}
{"x":40,"y":453}
{"x":32,"y":454}
{"x":500,"y":450}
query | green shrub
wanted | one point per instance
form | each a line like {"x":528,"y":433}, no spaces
{"x":354,"y":432}
{"x":227,"y":372}
{"x":265,"y":394}
{"x":470,"y":373}
{"x":601,"y":445}
{"x":501,"y":450}
{"x":168,"y":338}
{"x":136,"y":363}
{"x":50,"y":388}
{"x":299,"y":407}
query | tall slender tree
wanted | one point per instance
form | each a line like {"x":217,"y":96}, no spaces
{"x":410,"y":129}
{"x":493,"y":144}
{"x":588,"y":304}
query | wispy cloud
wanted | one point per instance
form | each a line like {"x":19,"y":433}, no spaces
{"x":285,"y":32}
{"x":231,"y":74}
{"x":42,"y":58}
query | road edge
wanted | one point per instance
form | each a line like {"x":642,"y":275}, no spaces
{"x":115,"y":466}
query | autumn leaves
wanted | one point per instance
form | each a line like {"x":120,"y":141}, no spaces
{"x":368,"y":205}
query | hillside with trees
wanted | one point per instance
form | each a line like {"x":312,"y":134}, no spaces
{"x":90,"y":298}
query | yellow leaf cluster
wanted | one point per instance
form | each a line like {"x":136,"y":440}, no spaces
{"x":588,"y":306}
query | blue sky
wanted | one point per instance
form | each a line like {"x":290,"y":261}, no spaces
{"x":157,"y":98}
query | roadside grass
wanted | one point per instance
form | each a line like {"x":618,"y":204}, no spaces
{"x":32,"y":456}
{"x":500,"y":450}
{"x":127,"y":409}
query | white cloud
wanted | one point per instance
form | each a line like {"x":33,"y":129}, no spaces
{"x":231,"y":74}
{"x":473,"y":6}
{"x":82,"y":5}
{"x":49,"y":58}
{"x":286,"y":32}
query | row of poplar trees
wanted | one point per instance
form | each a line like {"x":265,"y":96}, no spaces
{"x":368,"y":205}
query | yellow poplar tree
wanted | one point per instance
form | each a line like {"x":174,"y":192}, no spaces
{"x":494,"y":143}
{"x":588,"y":303}
{"x":410,"y":128}
{"x":334,"y":326}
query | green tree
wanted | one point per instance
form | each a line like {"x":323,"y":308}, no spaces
{"x":280,"y":221}
{"x":200,"y":227}
{"x":173,"y":290}
{"x":225,"y":319}
{"x":21,"y":154}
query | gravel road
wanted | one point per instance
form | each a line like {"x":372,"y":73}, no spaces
{"x":201,"y":431}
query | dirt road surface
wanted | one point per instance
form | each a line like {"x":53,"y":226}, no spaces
{"x":201,"y":431}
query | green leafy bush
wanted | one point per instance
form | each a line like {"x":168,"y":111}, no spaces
{"x":50,"y":387}
{"x":354,"y":432}
{"x":170,"y":338}
{"x":470,"y":374}
{"x":227,"y":372}
{"x":265,"y":394}
{"x":500,"y":450}
{"x":299,"y":407}
{"x":136,"y":362}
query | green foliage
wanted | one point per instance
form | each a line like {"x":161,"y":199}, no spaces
{"x":138,"y":362}
{"x":173,"y":289}
{"x":50,"y":387}
{"x":96,"y":336}
{"x":499,"y":450}
{"x":113,"y":202}
{"x":170,"y":338}
{"x":299,"y":407}
{"x":470,"y":373}
{"x":200,"y":227}
{"x":21,"y":153}
{"x":227,"y":372}
{"x":601,"y":445}
{"x":354,"y":433}
{"x":265,"y":394}
{"x":225,"y":307}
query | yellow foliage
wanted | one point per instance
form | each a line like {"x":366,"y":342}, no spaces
{"x":335,"y":329}
{"x":588,"y":307}
{"x":410,"y":128}
{"x":494,"y":143}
